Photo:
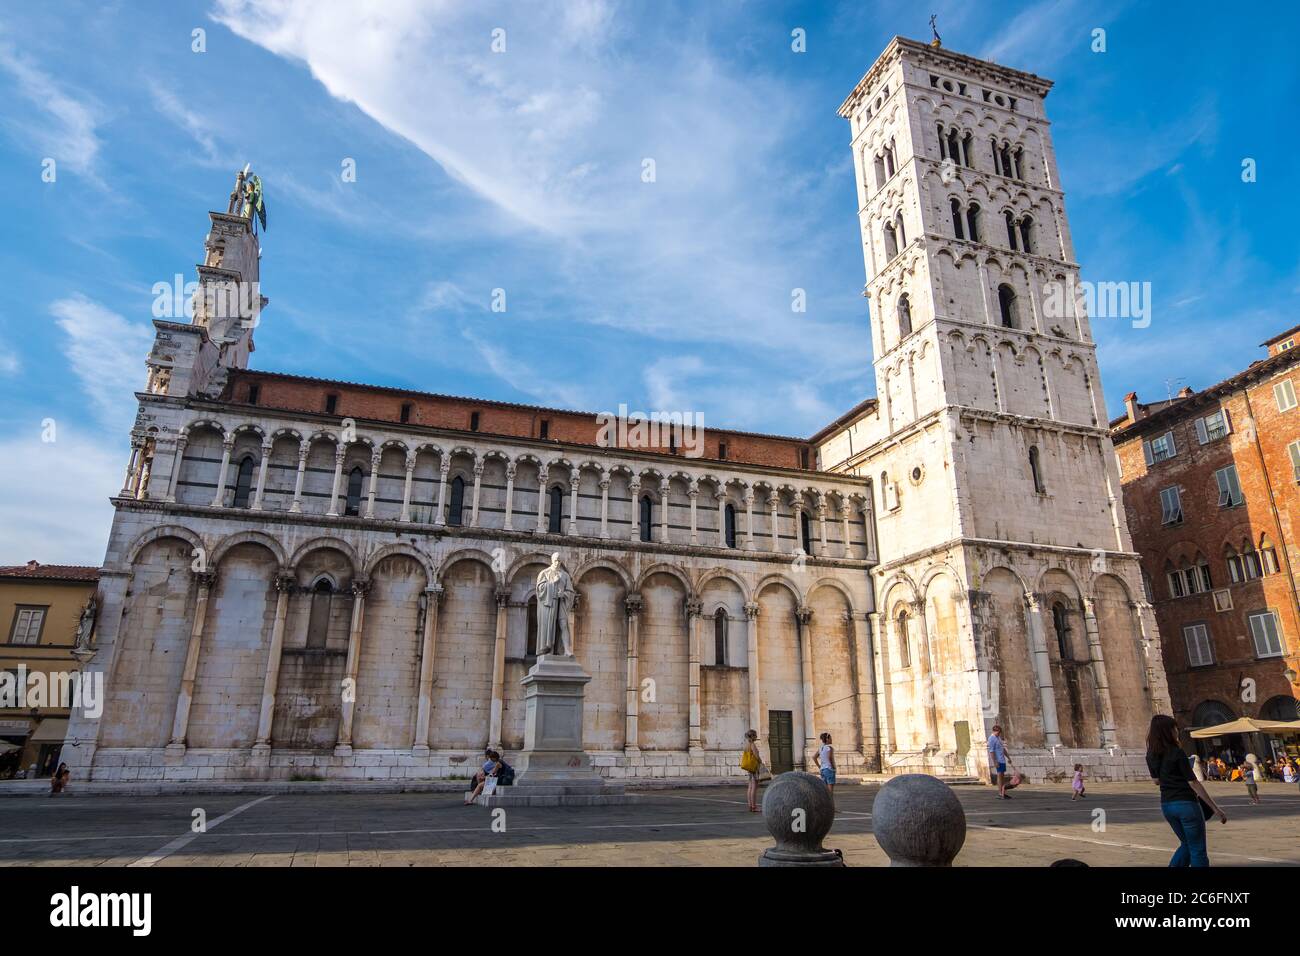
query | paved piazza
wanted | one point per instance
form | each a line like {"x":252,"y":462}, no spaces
{"x":689,"y":827}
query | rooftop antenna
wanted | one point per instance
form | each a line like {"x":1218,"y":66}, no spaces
{"x":938,"y":40}
{"x":1169,"y":387}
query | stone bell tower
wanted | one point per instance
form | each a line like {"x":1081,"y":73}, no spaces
{"x":1007,"y":588}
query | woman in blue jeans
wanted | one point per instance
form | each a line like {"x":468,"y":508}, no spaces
{"x":1181,"y":793}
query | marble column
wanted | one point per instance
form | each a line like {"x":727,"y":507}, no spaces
{"x":633,"y":606}
{"x":478,"y":488}
{"x":721,"y":497}
{"x":803,"y":631}
{"x":604,"y":504}
{"x":334,"y":488}
{"x":177,"y":460}
{"x":694,"y":617}
{"x":181,"y":719}
{"x":774,"y":502}
{"x":928,"y":691}
{"x":635,"y":488}
{"x":128,"y":482}
{"x":821,"y":524}
{"x":261,"y":476}
{"x":428,"y":644}
{"x":498,"y":669}
{"x":145,"y":471}
{"x":574,"y":479}
{"x":880,"y":626}
{"x":350,"y":689}
{"x":693,"y":493}
{"x":375,"y":457}
{"x":664,"y":489}
{"x":285,"y":588}
{"x":796,"y":515}
{"x":1109,"y":738}
{"x":860,"y":627}
{"x":755,"y":686}
{"x":1042,"y":670}
{"x":444,"y":469}
{"x":510,"y":496}
{"x":847,"y":547}
{"x":406,"y":487}
{"x":219,"y":499}
{"x":304,"y":448}
{"x":749,"y":520}
{"x":543,"y":475}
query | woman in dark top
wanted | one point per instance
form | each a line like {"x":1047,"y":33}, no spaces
{"x":1181,"y":794}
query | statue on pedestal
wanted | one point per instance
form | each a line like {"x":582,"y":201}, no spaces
{"x":554,"y":599}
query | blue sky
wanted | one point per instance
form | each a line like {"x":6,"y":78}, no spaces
{"x":522,"y":171}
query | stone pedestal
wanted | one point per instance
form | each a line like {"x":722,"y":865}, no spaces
{"x":553,"y":769}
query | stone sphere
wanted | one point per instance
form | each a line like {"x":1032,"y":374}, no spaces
{"x":918,"y":821}
{"x":798,"y":833}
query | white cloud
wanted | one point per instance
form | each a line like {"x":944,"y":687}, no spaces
{"x":107,"y":354}
{"x":9,"y":363}
{"x":70,"y":136}
{"x":59,"y":513}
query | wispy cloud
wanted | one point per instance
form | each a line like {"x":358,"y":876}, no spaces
{"x":68,"y":129}
{"x":106,"y":353}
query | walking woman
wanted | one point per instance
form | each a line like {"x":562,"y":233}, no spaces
{"x":751,"y":761}
{"x":1183,"y":799}
{"x":826,"y":764}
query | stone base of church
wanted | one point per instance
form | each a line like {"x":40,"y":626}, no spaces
{"x":1036,"y":766}
{"x":155,"y":764}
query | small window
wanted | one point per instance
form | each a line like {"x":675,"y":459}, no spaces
{"x":904,"y":641}
{"x":1061,"y":625}
{"x":254,"y":393}
{"x":1284,"y":393}
{"x":27,"y":624}
{"x":1026,"y":232}
{"x":1229,"y":487}
{"x":1177,"y":587}
{"x":803,"y":457}
{"x":1236,"y":568}
{"x":1159,"y":448}
{"x":957,"y":230}
{"x":244,"y":482}
{"x":1212,"y":427}
{"x":1288,"y":344}
{"x":805,"y":532}
{"x":729,"y":527}
{"x":1293,"y":450}
{"x":456,"y":510}
{"x":904,"y":316}
{"x":722,"y":450}
{"x":1007,"y":305}
{"x":556,"y":520}
{"x":406,"y":412}
{"x":720,"y":637}
{"x":473,"y":421}
{"x":331,"y":404}
{"x":1171,"y":506}
{"x":530,"y":646}
{"x":1199,"y":651}
{"x":356,"y":477}
{"x":1011,"y":230}
{"x":1265,"y":635}
{"x":647,"y":518}
{"x":973,"y":222}
{"x":545,"y":429}
{"x":1036,"y":471}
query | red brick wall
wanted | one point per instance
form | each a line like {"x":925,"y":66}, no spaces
{"x":1263,"y":465}
{"x":377,"y":404}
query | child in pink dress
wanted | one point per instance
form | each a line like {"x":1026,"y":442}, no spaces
{"x":1077,"y":783}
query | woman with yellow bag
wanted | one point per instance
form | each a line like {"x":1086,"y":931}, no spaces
{"x":752,"y":763}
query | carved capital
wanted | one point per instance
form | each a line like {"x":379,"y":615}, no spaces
{"x":803,"y":614}
{"x":633,"y":604}
{"x":751,"y":611}
{"x":204,"y":579}
{"x":502,"y":595}
{"x":360,"y":587}
{"x":694,"y":606}
{"x":285,"y":583}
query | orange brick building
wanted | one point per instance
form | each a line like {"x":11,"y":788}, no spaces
{"x":1211,"y":483}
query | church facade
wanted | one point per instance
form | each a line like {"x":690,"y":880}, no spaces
{"x":309,"y":578}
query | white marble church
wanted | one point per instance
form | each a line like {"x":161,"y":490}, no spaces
{"x":309,"y":578}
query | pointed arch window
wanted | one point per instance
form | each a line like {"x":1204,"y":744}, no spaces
{"x":1007,"y":306}
{"x":356,"y":478}
{"x":244,"y":482}
{"x":720,"y":637}
{"x":904,"y":645}
{"x":556,"y":520}
{"x":904,"y":316}
{"x":1036,"y":470}
{"x":957,"y":229}
{"x":973,"y":222}
{"x":729,"y":524}
{"x":318,"y":620}
{"x":647,"y":518}
{"x":456,"y":510}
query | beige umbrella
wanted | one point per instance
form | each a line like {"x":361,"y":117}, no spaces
{"x":1248,"y":725}
{"x":6,"y":747}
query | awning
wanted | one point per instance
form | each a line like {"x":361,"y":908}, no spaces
{"x":6,"y":747}
{"x":1246,"y":725}
{"x":52,"y":730}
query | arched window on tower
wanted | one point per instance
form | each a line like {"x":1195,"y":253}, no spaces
{"x":997,"y":157}
{"x":943,"y":142}
{"x":904,"y":641}
{"x":244,"y":482}
{"x":880,"y":171}
{"x":1036,"y":470}
{"x":1011,"y":229}
{"x":456,"y":510}
{"x":805,"y":532}
{"x":902,"y":233}
{"x":891,"y":241}
{"x":1061,"y":625}
{"x":889,"y":159}
{"x":729,"y":524}
{"x":647,"y":518}
{"x":973,"y":222}
{"x":1007,"y":305}
{"x":556,"y":520}
{"x":957,"y":230}
{"x":1017,"y":158}
{"x":966,"y":142}
{"x":1007,"y":169}
{"x":356,"y":477}
{"x":1026,"y":230}
{"x":954,"y":146}
{"x":904,"y":316}
{"x":318,"y":620}
{"x":720,"y":637}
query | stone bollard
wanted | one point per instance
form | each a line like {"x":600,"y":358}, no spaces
{"x":798,"y":810}
{"x":918,"y":821}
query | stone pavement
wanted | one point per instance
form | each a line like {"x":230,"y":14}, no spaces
{"x":687,"y":827}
